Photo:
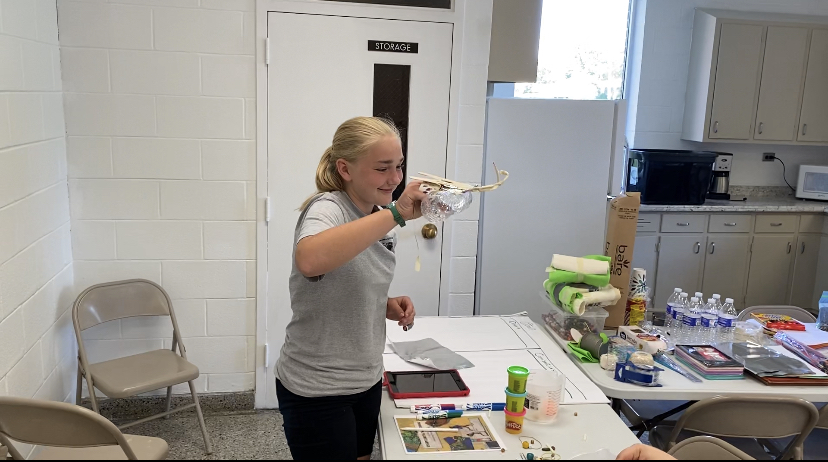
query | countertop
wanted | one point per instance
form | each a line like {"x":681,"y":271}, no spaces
{"x":751,"y":205}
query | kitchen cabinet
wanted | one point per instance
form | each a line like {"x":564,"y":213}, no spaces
{"x":813,"y":123}
{"x":645,"y":255}
{"x":783,"y":70}
{"x":725,"y":266}
{"x":680,"y":259}
{"x":513,"y":50}
{"x":757,"y":78}
{"x":805,"y":271}
{"x":770,"y":268}
{"x":737,"y":77}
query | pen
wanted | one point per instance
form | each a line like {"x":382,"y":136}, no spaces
{"x":459,"y":407}
{"x":424,"y":415}
{"x":418,"y":429}
{"x":408,"y":327}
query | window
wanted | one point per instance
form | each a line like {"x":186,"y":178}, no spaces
{"x":582,"y":52}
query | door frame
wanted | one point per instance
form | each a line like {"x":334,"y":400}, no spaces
{"x":455,"y":16}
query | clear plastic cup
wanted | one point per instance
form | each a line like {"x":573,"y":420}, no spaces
{"x":544,"y":393}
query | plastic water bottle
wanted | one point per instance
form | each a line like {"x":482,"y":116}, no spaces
{"x":677,"y":332}
{"x":700,"y":296}
{"x":692,"y":321}
{"x":673,"y":300}
{"x":727,"y":318}
{"x":822,"y":321}
{"x":718,"y":299}
{"x":709,"y":321}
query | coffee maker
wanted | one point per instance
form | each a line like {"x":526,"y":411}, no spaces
{"x":720,"y":184}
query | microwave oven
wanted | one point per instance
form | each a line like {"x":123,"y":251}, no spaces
{"x":813,"y":182}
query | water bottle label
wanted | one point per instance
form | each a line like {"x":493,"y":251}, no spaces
{"x":708,"y":322}
{"x":726,"y":322}
{"x":691,"y":321}
{"x":669,"y":309}
{"x":677,"y":315}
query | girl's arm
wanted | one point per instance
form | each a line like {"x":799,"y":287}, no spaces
{"x":324,"y":252}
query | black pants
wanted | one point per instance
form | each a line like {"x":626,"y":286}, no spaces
{"x":330,"y":427}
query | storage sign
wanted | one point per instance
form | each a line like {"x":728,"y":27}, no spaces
{"x":392,"y":47}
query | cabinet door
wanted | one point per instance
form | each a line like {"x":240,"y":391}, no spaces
{"x":679,"y":264}
{"x":645,"y":255}
{"x":770,"y":267}
{"x":737,"y":77}
{"x":725,"y":267}
{"x":805,"y":269}
{"x":782,"y":72}
{"x":813,"y":123}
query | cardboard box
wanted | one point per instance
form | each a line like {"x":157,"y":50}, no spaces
{"x":620,"y":242}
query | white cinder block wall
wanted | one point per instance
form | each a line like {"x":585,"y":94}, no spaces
{"x":36,"y":279}
{"x":160,"y":115}
{"x":466,"y":164}
{"x":655,"y":118}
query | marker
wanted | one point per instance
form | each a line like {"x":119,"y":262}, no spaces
{"x":460,"y":407}
{"x":439,"y":415}
{"x":408,"y":327}
{"x":423,"y":429}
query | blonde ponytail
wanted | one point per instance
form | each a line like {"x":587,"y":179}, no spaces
{"x":350,"y":142}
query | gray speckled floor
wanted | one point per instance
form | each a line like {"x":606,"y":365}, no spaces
{"x":259,"y":436}
{"x":255,"y":435}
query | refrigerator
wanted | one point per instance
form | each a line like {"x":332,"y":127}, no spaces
{"x":565,"y":158}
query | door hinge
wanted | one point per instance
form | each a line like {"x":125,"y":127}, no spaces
{"x":267,"y":51}
{"x":267,"y":209}
{"x":751,"y":244}
{"x":267,"y":355}
{"x":658,"y":246}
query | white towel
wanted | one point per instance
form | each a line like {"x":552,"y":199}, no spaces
{"x":609,"y":295}
{"x":579,"y":265}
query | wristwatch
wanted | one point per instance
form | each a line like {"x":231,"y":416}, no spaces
{"x":397,"y":217}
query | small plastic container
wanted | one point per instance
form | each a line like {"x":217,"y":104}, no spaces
{"x":515,"y":402}
{"x":561,"y":322}
{"x":517,"y":379}
{"x":544,"y":392}
{"x":514,"y":422}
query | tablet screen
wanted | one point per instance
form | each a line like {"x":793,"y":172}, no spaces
{"x":425,"y":382}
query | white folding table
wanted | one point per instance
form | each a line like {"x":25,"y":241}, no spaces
{"x":578,"y":429}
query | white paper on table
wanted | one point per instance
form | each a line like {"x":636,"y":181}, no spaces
{"x":488,"y":379}
{"x":812,"y":335}
{"x":786,"y":352}
{"x":462,"y":334}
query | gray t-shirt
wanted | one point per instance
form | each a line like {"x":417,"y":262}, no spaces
{"x":335,"y":339}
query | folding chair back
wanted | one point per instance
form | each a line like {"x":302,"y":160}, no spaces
{"x":707,"y":448}
{"x":49,"y":423}
{"x":769,"y":417}
{"x":117,"y":300}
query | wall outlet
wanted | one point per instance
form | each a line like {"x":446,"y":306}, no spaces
{"x":768,"y":156}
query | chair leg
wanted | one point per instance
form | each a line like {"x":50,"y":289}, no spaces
{"x":207,"y":445}
{"x":78,"y":395}
{"x":92,"y":394}
{"x":169,"y":401}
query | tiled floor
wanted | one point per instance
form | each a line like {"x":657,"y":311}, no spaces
{"x":259,"y":435}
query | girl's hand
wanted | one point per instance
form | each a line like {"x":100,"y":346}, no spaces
{"x":643,"y":452}
{"x":400,"y":309}
{"x":409,"y":202}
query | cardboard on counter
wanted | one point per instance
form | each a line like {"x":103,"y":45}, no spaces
{"x":620,"y":242}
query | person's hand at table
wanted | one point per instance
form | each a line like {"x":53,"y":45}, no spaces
{"x":643,"y":452}
{"x":400,"y":309}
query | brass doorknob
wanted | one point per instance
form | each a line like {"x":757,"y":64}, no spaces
{"x":430,"y":231}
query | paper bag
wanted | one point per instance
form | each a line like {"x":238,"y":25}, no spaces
{"x":621,"y":228}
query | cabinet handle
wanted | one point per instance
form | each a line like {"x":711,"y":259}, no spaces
{"x":789,"y":247}
{"x":730,"y":224}
{"x":761,"y":127}
{"x":776,"y":225}
{"x":682,"y":224}
{"x":698,"y":247}
{"x":803,"y":248}
{"x":712,"y":248}
{"x":804,"y":128}
{"x":716,"y":127}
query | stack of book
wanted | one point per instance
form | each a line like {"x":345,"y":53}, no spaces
{"x":709,"y":362}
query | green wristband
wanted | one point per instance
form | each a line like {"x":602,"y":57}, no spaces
{"x":397,"y":217}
